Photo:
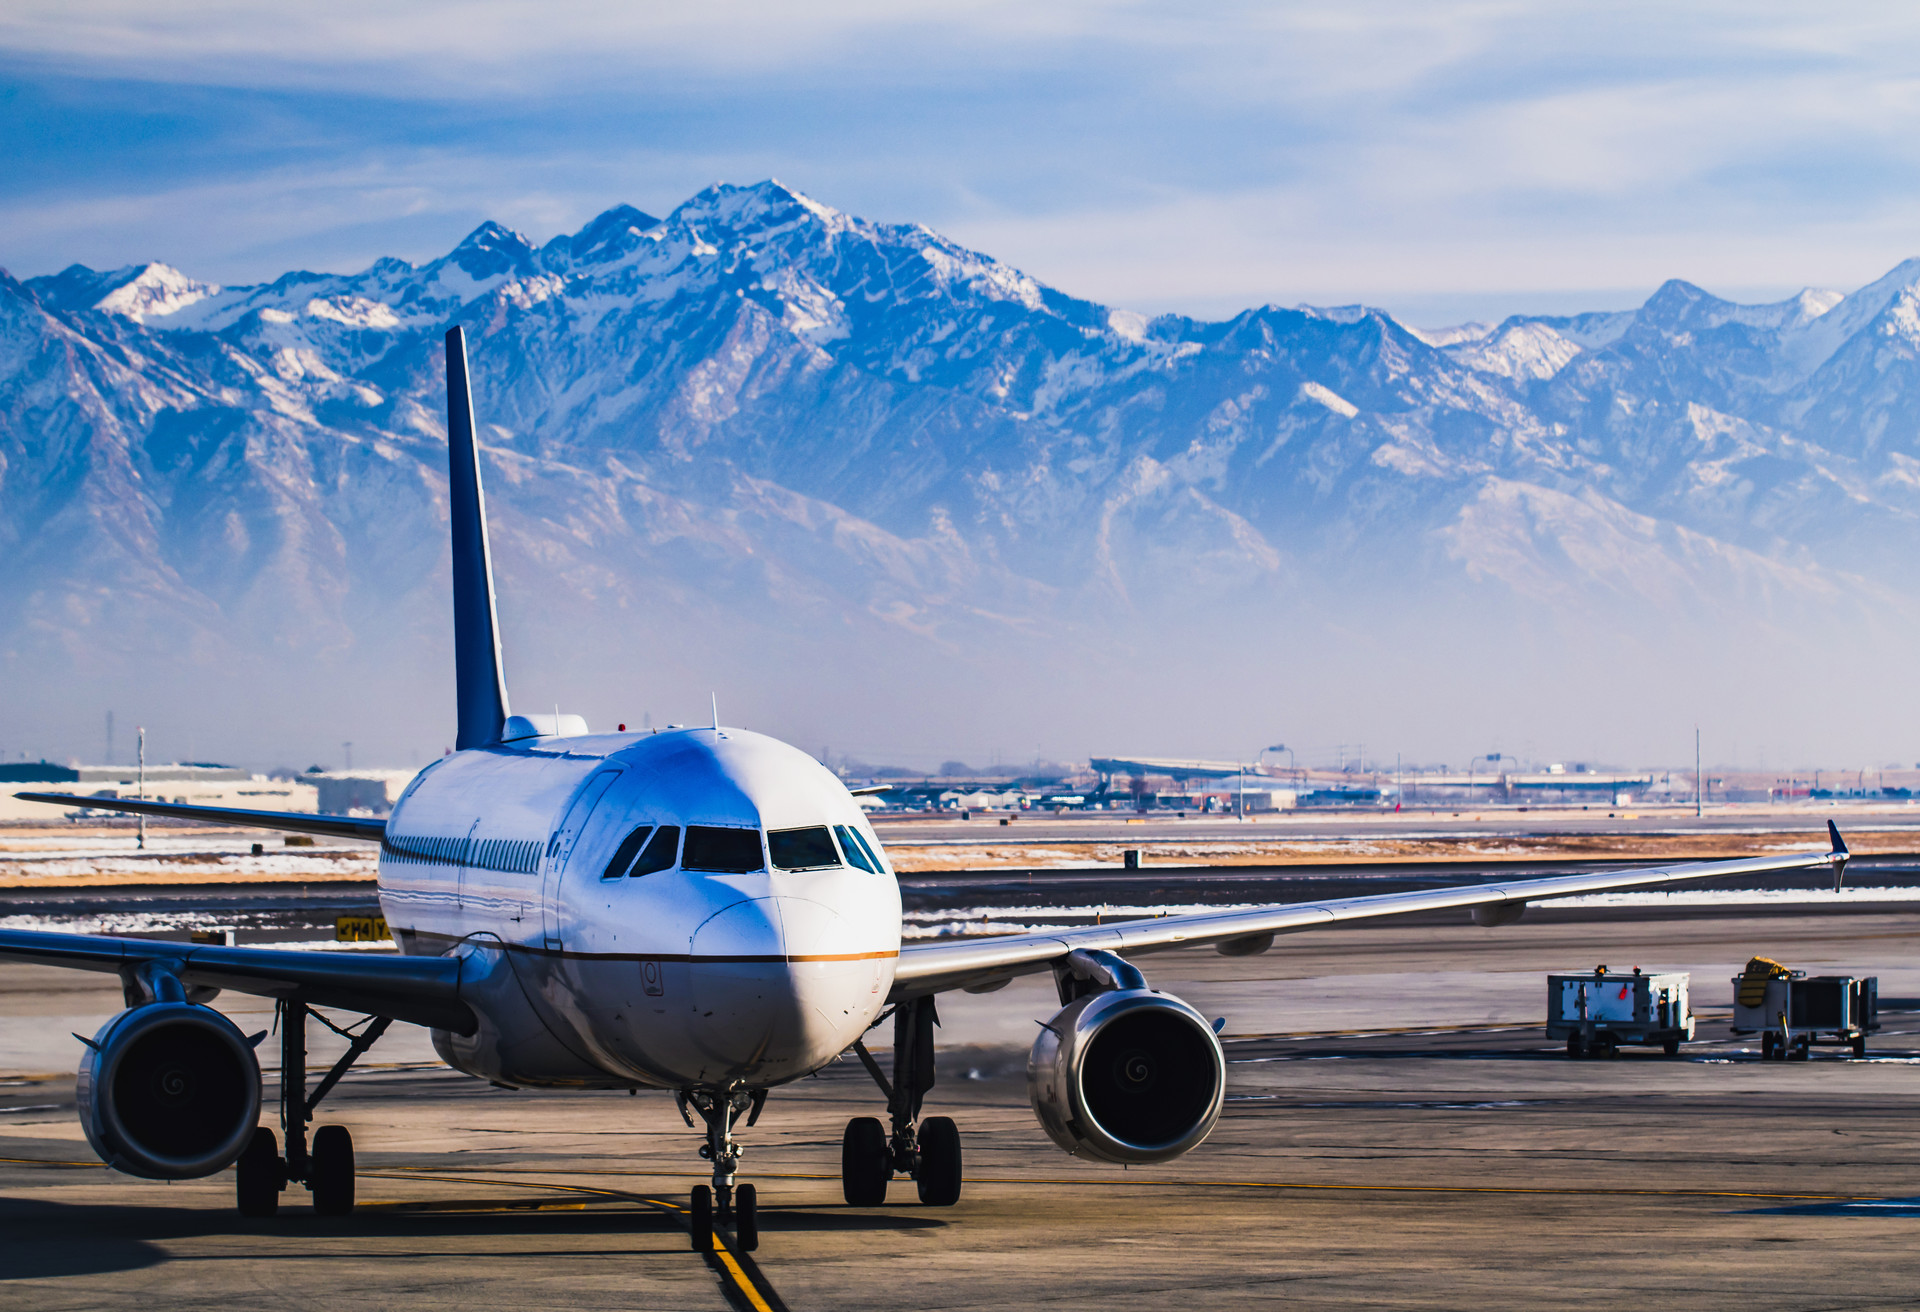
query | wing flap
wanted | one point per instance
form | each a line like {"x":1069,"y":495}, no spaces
{"x":292,"y":822}
{"x":935,"y":967}
{"x":420,"y":990}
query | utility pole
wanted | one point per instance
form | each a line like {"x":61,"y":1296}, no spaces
{"x":1696,"y":769}
{"x":142,"y":843}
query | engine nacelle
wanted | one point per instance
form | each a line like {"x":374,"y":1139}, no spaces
{"x":1127,"y":1075}
{"x":169,"y":1091}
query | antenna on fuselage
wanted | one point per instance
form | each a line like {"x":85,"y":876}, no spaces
{"x":480,"y":682}
{"x":716,"y":710}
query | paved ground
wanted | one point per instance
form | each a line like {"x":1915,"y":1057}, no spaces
{"x":1442,"y":1157}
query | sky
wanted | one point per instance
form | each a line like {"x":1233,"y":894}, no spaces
{"x":1446,"y":160}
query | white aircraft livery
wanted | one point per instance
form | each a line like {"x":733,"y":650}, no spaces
{"x":704,"y":911}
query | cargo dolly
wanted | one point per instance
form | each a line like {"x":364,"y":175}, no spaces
{"x":1791,"y":1010}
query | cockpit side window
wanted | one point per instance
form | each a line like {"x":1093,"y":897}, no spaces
{"x":726,"y":851}
{"x":857,"y":853}
{"x":660,"y":852}
{"x":802,"y":849}
{"x":628,"y":849}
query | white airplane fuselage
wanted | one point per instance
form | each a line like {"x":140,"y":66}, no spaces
{"x":583,"y":975}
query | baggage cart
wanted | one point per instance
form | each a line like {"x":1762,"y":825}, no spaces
{"x":1792,"y":1011}
{"x":1595,"y":1012}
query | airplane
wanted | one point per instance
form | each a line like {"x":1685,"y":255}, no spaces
{"x":703,"y":911}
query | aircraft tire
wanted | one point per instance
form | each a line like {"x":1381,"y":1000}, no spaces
{"x":257,"y":1175}
{"x":700,"y":1219}
{"x":330,"y":1176}
{"x":746,"y":1218}
{"x":866,"y":1165}
{"x":938,"y":1178}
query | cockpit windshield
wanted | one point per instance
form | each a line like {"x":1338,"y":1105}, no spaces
{"x":802,"y":849}
{"x":726,"y":851}
{"x":858,"y":853}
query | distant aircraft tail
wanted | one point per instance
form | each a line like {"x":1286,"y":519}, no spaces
{"x":479,"y":678}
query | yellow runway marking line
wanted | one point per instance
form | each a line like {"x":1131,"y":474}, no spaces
{"x":752,"y":1289}
{"x":740,"y":1279}
{"x":1570,"y":1191}
{"x":42,"y":1161}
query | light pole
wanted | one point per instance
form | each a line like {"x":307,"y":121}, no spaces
{"x":1490,"y":756}
{"x":142,"y":844}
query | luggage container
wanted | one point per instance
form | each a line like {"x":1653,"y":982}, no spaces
{"x":1791,"y":1011}
{"x":1596,"y":1011}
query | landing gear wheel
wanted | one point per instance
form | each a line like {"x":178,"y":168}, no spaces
{"x":700,"y":1219}
{"x":330,"y":1174}
{"x":1860,"y":1046}
{"x":256,"y":1176}
{"x":1576,"y":1046}
{"x":1802,"y":1050}
{"x":866,"y":1165}
{"x":939,"y":1175}
{"x":1671,"y":1047}
{"x":746,"y":1218}
{"x":1767,"y":1046}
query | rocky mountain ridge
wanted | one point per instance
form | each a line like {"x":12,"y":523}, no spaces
{"x":759,"y":424}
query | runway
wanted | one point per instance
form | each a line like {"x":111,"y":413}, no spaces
{"x":1398,"y":1134}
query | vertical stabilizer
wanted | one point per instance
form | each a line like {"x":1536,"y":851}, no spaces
{"x":481,"y":683}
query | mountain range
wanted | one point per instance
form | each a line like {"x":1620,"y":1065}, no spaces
{"x":889,"y":496}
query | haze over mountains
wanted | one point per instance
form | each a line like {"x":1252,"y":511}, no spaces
{"x":890,"y":497}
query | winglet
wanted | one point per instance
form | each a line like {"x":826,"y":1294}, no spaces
{"x":1839,"y":856}
{"x":479,"y":680}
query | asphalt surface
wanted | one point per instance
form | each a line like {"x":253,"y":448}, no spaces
{"x":1398,"y":1134}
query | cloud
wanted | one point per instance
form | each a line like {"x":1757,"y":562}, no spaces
{"x":1153,"y":155}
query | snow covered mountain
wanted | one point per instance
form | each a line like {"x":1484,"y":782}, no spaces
{"x":852,"y":474}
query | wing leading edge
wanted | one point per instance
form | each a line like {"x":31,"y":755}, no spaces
{"x":422,"y":990}
{"x":293,"y":822}
{"x":973,"y":963}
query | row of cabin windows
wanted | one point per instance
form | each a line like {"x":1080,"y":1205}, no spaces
{"x":648,"y":850}
{"x":507,"y":855}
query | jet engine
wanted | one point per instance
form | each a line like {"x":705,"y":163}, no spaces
{"x":1122,"y":1073}
{"x":169,"y":1091}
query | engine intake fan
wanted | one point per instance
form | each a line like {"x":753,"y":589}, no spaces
{"x":1122,"y":1073}
{"x":169,"y":1091}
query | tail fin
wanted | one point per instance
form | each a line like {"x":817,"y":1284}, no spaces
{"x":480,"y":682}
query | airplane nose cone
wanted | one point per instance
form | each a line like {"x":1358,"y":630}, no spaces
{"x":778,"y":988}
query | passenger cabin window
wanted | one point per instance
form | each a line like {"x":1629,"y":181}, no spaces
{"x":624,"y":854}
{"x":858,"y":853}
{"x":660,"y":852}
{"x":802,"y":849}
{"x":727,"y":851}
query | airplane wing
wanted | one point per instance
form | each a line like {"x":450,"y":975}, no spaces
{"x":422,"y":990}
{"x":984,"y":963}
{"x":293,"y":822}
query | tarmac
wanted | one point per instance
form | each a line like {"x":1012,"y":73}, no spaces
{"x":1398,"y":1134}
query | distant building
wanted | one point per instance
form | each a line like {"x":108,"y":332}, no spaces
{"x":373,"y":791}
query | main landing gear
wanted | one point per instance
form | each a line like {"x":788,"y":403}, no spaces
{"x":327,"y":1168}
{"x":723,"y":1203}
{"x":869,"y":1156}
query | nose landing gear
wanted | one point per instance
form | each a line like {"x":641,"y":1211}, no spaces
{"x":722,"y":1203}
{"x":930,"y":1153}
